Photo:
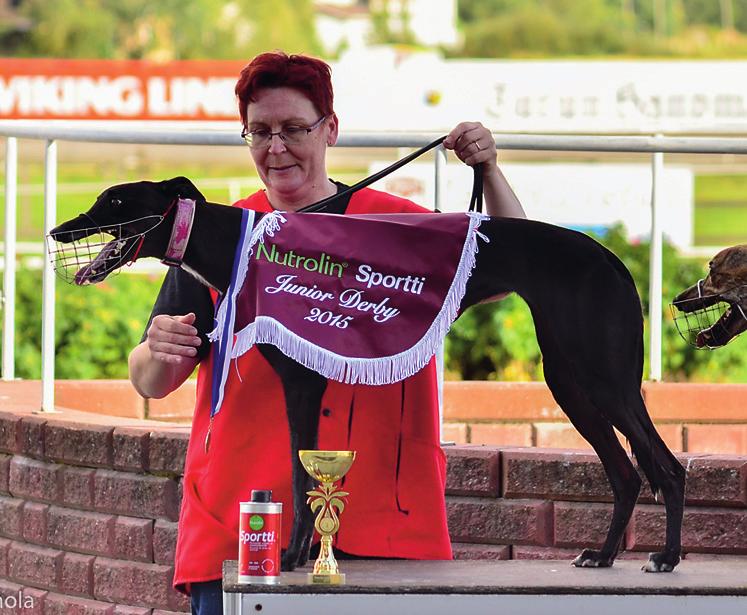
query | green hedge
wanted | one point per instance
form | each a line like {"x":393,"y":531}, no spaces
{"x":95,"y":327}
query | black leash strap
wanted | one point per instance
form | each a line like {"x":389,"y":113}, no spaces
{"x":475,"y":201}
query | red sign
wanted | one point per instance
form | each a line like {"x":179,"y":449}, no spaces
{"x":118,"y":90}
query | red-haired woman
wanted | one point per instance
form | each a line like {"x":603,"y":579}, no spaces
{"x":396,"y":503}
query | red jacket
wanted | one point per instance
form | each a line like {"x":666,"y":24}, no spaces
{"x":396,"y":503}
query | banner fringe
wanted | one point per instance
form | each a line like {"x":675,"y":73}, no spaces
{"x":268,"y":225}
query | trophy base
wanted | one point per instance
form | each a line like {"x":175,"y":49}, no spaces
{"x":326,"y":579}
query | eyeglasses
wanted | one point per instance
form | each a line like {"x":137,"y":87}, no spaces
{"x":290,"y":134}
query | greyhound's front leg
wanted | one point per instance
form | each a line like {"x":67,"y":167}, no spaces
{"x":302,"y":531}
{"x":303,"y":390}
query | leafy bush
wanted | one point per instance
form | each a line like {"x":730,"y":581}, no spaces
{"x":497,"y":341}
{"x":95,"y":326}
{"x":529,"y":32}
{"x":558,"y":28}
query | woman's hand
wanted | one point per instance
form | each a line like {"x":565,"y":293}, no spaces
{"x":167,"y":357}
{"x":172,"y":339}
{"x":473,"y":144}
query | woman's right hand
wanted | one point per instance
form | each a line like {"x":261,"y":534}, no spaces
{"x":173,"y":339}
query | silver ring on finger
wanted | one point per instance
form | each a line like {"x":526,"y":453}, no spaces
{"x":477,"y":144}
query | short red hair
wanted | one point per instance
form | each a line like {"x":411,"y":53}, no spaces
{"x":276,"y":69}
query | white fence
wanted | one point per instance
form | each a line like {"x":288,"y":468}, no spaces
{"x":657,"y":146}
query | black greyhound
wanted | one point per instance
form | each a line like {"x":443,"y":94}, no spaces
{"x":586,"y":312}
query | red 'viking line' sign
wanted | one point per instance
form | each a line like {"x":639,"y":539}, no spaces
{"x":357,"y":298}
{"x":118,"y":89}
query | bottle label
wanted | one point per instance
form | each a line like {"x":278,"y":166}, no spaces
{"x":259,"y":544}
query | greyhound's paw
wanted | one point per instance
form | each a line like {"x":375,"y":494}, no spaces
{"x":589,"y":558}
{"x":292,"y":559}
{"x":302,"y":558}
{"x":661,"y":562}
{"x":288,"y":561}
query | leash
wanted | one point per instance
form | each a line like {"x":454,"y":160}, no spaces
{"x":475,"y":200}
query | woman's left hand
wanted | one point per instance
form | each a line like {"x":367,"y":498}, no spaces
{"x":473,"y":144}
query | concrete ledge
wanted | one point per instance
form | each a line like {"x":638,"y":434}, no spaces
{"x":690,"y":417}
{"x":505,"y":401}
{"x":117,"y":398}
{"x":509,"y":577}
{"x":695,"y":402}
{"x":707,"y":418}
{"x":532,"y":401}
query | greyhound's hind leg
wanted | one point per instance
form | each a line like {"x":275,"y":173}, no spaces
{"x":667,"y":477}
{"x":665,"y":474}
{"x":625,"y":484}
{"x":624,"y":479}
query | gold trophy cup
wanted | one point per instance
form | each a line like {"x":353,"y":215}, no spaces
{"x":327,"y":467}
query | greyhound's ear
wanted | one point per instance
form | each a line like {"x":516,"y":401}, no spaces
{"x":182,"y":187}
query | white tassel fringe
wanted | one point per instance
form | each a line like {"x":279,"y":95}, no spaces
{"x":268,"y":225}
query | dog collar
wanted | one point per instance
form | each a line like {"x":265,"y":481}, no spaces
{"x":180,"y":232}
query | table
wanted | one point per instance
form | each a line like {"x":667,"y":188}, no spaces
{"x":511,"y":587}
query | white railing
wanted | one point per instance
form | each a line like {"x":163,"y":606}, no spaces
{"x":655,"y":145}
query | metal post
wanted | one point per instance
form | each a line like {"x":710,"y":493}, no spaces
{"x":9,"y":276}
{"x":438,"y":205}
{"x":234,"y":191}
{"x":48,"y":280}
{"x":655,"y":269}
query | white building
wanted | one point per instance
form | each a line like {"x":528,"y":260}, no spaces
{"x":346,"y":24}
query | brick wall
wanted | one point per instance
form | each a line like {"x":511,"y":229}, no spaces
{"x":696,"y":418}
{"x":89,"y":504}
{"x":88,"y":511}
{"x":528,"y":503}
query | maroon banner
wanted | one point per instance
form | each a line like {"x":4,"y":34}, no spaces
{"x":360,"y":298}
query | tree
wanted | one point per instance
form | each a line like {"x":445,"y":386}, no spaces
{"x":684,"y":28}
{"x":727,"y":14}
{"x":166,"y":29}
{"x":496,"y":28}
{"x":724,"y":13}
{"x":472,"y":11}
{"x":67,"y":28}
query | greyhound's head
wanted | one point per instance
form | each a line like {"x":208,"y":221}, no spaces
{"x":132,"y":215}
{"x":705,"y":325}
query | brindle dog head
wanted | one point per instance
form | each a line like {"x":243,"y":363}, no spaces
{"x":726,"y":282}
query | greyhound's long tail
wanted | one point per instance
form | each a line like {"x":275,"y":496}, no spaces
{"x":658,"y":463}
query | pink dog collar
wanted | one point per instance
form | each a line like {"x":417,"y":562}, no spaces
{"x":180,"y":232}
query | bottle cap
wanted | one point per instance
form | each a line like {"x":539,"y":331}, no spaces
{"x":261,"y":495}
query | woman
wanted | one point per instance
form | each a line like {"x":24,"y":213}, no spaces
{"x":396,"y":503}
